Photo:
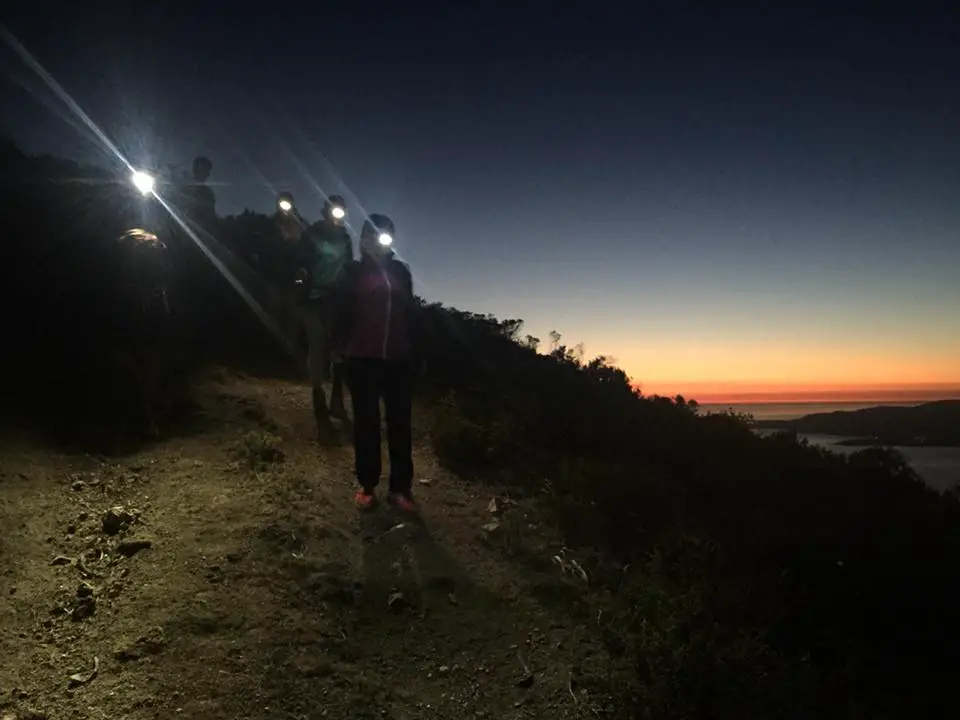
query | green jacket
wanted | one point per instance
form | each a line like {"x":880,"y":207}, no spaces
{"x":324,"y":251}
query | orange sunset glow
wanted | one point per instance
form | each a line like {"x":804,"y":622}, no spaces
{"x":754,"y":374}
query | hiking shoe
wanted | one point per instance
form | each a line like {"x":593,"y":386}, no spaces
{"x":365,"y":499}
{"x":403,"y":501}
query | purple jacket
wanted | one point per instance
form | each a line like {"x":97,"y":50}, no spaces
{"x":378,"y":309}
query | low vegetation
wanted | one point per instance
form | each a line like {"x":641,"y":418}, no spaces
{"x":759,"y":576}
{"x":260,"y":449}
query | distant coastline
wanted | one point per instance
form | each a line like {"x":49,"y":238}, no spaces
{"x":794,"y":410}
{"x":932,"y":424}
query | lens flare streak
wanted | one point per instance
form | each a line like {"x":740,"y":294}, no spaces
{"x":261,"y":314}
{"x":146,"y":185}
{"x":58,"y":90}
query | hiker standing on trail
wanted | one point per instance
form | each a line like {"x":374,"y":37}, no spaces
{"x":200,"y":200}
{"x":323,"y":253}
{"x":196,"y":206}
{"x":378,"y":316}
{"x":277,"y":261}
{"x":145,"y":320}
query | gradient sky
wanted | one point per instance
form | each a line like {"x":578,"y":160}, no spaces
{"x":748,"y":201}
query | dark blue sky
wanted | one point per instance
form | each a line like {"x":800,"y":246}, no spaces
{"x":755,"y":195}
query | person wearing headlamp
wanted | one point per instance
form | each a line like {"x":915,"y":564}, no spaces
{"x":145,"y":323}
{"x":287,"y":214}
{"x":379,"y":315}
{"x":323,"y":253}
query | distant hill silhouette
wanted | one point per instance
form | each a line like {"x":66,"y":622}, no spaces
{"x":930,"y":424}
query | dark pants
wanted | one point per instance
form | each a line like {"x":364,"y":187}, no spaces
{"x":146,"y":350}
{"x":324,"y":358}
{"x":368,"y":381}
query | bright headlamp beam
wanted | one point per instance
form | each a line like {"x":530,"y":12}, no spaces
{"x":338,"y":212}
{"x":143,"y":182}
{"x":385,"y":239}
{"x":285,"y":205}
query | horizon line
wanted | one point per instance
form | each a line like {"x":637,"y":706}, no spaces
{"x":823,"y":400}
{"x":736,"y":393}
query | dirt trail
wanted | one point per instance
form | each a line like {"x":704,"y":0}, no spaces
{"x":220,"y":590}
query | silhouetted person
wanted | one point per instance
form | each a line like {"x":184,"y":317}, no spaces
{"x":201,"y":201}
{"x":144,"y":308}
{"x":288,"y":218}
{"x":378,"y":316}
{"x":323,"y":253}
{"x":197,"y":207}
{"x":278,"y":261}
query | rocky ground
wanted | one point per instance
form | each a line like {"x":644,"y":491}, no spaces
{"x":224,"y":573}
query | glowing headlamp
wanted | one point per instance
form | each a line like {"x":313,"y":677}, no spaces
{"x":338,"y":212}
{"x":385,"y":239}
{"x":285,"y":205}
{"x":143,"y":182}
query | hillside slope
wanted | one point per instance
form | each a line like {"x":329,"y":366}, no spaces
{"x":259,"y":591}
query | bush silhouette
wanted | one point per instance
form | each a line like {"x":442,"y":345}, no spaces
{"x":829,"y":551}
